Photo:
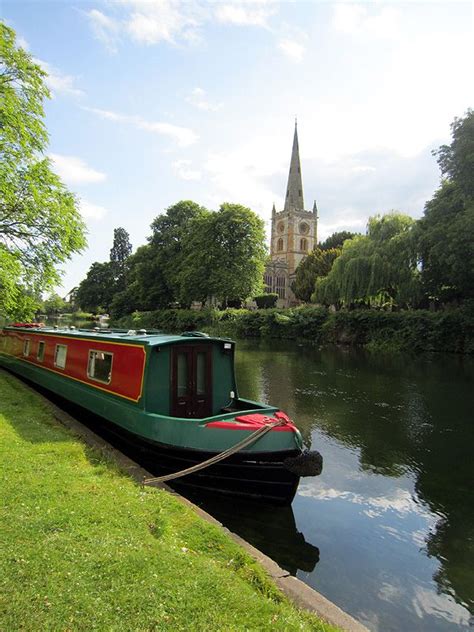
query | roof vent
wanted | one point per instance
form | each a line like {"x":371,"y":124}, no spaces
{"x":131,"y":332}
{"x":142,"y":332}
{"x":195,"y":334}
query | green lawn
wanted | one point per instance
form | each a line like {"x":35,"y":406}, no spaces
{"x":85,"y":548}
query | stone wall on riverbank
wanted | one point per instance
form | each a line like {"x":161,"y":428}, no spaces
{"x":418,"y":330}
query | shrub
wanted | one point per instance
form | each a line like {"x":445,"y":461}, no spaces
{"x":266,"y":301}
{"x":417,"y":330}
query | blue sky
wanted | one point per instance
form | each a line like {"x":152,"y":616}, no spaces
{"x":156,"y":101}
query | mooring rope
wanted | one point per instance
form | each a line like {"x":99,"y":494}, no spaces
{"x":218,"y":457}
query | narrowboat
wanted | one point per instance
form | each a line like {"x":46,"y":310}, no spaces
{"x":174,"y":398}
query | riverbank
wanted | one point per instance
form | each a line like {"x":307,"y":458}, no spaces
{"x":86,"y":548}
{"x":420,"y":330}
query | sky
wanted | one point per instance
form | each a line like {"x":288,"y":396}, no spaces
{"x":157,"y":101}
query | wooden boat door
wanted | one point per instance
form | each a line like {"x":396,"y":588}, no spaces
{"x":191,"y":381}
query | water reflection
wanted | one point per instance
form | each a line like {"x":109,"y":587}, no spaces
{"x":393,"y":511}
{"x":271,"y":530}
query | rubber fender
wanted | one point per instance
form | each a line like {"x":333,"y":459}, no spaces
{"x":308,"y":463}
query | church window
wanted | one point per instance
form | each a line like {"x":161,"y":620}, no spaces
{"x":280,"y":287}
{"x":304,"y":228}
{"x":299,"y":191}
{"x":304,"y":245}
{"x":280,"y":244}
{"x":288,"y":193}
{"x":268,"y":282}
{"x":281,"y":227}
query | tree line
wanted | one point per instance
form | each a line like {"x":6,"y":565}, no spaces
{"x":402,"y":262}
{"x":192,"y":254}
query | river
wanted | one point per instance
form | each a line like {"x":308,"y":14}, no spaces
{"x":387,"y":530}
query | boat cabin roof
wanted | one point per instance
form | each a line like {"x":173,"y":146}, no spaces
{"x":150,"y":337}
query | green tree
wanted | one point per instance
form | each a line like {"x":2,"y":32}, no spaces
{"x":54,"y":304}
{"x":445,"y":240}
{"x":96,"y":292}
{"x":224,"y":256}
{"x":170,"y":232}
{"x":456,"y":160}
{"x":336,"y":240}
{"x":317,"y":264}
{"x":146,"y":289}
{"x":40,"y":225}
{"x":119,"y":256}
{"x":152,"y":276}
{"x":445,"y":232}
{"x":379,"y":268}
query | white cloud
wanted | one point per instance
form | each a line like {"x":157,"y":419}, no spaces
{"x":245,"y":14}
{"x":199,"y":100}
{"x":398,"y":500}
{"x":347,"y":220}
{"x":244,"y":175}
{"x":92,"y":211}
{"x":105,"y":29}
{"x":74,"y":170}
{"x":150,"y":22}
{"x":57,"y":81}
{"x":427,"y":602}
{"x":363,"y":169}
{"x":163,"y":20}
{"x":358,"y":19}
{"x":293,"y":50}
{"x":182,"y":135}
{"x":185,"y":172}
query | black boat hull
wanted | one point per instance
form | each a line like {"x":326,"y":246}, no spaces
{"x":261,"y":476}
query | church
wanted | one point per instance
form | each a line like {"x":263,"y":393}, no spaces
{"x":294,"y":233}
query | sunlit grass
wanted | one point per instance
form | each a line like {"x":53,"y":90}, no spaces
{"x":85,"y":548}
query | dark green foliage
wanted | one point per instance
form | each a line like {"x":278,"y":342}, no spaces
{"x":119,"y":257}
{"x":170,"y":233}
{"x":96,"y":292}
{"x":417,"y":330}
{"x":456,"y":160}
{"x":336,"y":240}
{"x":224,"y":256}
{"x":192,"y":255}
{"x":40,"y":224}
{"x":445,"y":240}
{"x":266,"y":301}
{"x":316,"y":265}
{"x":445,"y":233}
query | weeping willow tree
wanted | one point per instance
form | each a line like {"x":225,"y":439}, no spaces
{"x":379,"y":268}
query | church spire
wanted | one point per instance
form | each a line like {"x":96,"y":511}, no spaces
{"x":294,"y":190}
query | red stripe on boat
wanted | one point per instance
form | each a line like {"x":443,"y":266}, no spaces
{"x":254,"y":421}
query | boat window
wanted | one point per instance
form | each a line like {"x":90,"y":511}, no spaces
{"x":40,"y":354}
{"x":26,"y":348}
{"x":99,"y":366}
{"x":60,"y":356}
{"x":201,"y":373}
{"x":182,"y":375}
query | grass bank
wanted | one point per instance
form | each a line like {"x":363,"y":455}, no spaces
{"x":85,"y":548}
{"x":419,"y":330}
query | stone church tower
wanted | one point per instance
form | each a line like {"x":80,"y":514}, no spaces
{"x":294,"y":234}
